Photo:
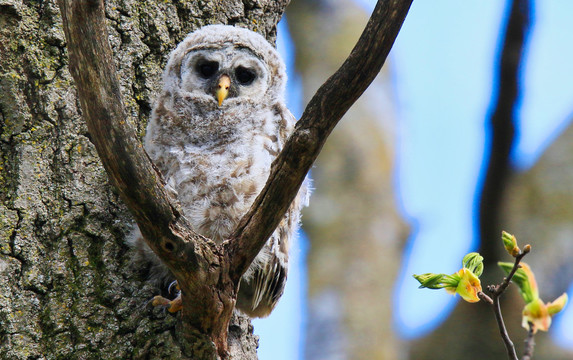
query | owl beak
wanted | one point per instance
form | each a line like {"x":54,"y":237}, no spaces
{"x":223,"y":88}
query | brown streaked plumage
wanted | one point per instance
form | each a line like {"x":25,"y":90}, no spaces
{"x":217,"y":126}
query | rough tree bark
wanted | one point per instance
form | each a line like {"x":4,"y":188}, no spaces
{"x":207,"y":273}
{"x":67,"y":289}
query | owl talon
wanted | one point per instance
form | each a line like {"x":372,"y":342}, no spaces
{"x":172,"y":306}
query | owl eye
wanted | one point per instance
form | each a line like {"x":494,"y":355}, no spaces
{"x":207,"y":69}
{"x":244,"y":75}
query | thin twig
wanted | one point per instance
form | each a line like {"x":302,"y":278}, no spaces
{"x":496,"y":291}
{"x":501,"y":288}
{"x":502,"y":122}
{"x":502,"y":330}
{"x":529,"y":343}
{"x":485,"y":298}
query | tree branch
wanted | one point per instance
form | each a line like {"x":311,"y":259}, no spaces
{"x":501,"y":122}
{"x":127,"y":164}
{"x":323,"y":112}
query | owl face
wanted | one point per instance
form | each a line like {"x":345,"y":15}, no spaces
{"x":225,"y":65}
{"x":229,"y":74}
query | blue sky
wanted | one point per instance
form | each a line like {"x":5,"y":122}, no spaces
{"x":442,"y":66}
{"x":444,"y":85}
{"x":443,"y":82}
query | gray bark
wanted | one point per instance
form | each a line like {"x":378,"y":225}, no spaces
{"x":67,"y":285}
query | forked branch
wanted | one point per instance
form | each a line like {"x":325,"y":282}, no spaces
{"x":191,"y":257}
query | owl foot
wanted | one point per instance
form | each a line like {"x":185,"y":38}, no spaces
{"x":172,"y":306}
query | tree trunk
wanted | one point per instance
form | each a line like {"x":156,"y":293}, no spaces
{"x":68,"y":288}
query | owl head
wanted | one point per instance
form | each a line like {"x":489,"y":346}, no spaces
{"x":223,"y":65}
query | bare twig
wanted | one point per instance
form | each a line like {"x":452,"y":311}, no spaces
{"x":502,"y":123}
{"x":501,"y":287}
{"x":529,"y":343}
{"x":511,"y":354}
{"x":485,"y":298}
{"x":496,"y":292}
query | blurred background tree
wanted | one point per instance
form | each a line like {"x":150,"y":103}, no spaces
{"x":399,"y":184}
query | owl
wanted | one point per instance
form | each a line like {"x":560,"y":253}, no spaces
{"x":216,"y":127}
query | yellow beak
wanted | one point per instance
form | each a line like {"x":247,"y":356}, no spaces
{"x":223,"y":88}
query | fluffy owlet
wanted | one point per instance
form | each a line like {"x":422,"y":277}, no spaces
{"x":217,"y":126}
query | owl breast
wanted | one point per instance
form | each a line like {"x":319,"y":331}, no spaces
{"x":214,"y":163}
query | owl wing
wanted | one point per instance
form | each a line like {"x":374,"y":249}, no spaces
{"x":263,"y":287}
